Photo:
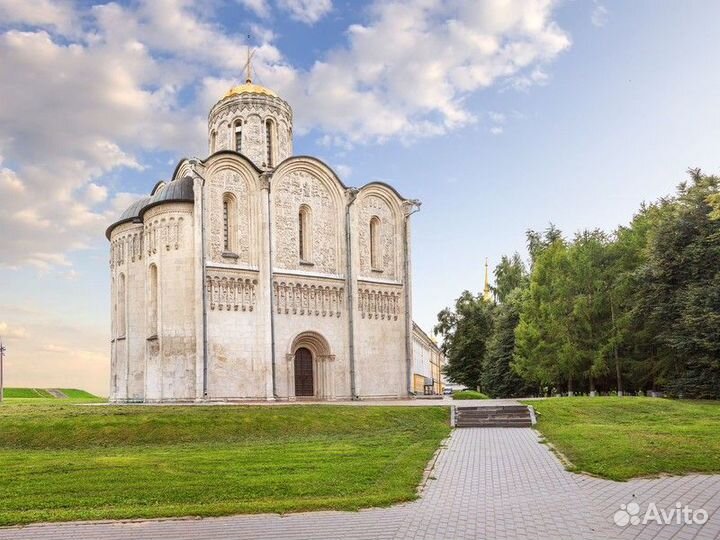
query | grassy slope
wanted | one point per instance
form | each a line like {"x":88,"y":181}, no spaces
{"x":27,"y":393}
{"x":35,"y":393}
{"x":621,"y":438}
{"x":469,"y":394}
{"x":74,"y":393}
{"x":63,"y":462}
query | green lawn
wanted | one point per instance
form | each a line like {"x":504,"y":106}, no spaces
{"x":469,"y":394}
{"x":622,"y":438}
{"x":36,"y":393}
{"x":60,"y":461}
{"x":26,"y":393}
{"x":74,"y":393}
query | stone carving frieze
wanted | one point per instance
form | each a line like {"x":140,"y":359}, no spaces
{"x":163,"y":233}
{"x":231,"y":292}
{"x":379,"y":303}
{"x":311,"y":299}
{"x":126,"y":247}
{"x":293,"y":190}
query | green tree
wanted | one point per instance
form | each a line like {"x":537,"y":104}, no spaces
{"x":679,"y":290}
{"x":498,"y":378}
{"x":543,"y":352}
{"x":465,"y":331}
{"x":587,"y":290}
{"x":510,"y":274}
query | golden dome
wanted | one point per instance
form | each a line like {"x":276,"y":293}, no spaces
{"x":249,"y":88}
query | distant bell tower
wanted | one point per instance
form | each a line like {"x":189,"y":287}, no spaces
{"x":252,"y":120}
{"x":487,"y":294}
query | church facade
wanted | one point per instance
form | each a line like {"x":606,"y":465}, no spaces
{"x":255,"y":274}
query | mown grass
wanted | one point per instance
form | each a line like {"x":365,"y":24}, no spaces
{"x":469,"y":394}
{"x":38,"y":393}
{"x":74,"y":393}
{"x":26,"y":393}
{"x":623,"y":438}
{"x":63,"y":462}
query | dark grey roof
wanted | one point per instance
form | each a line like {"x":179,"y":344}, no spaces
{"x":133,"y":210}
{"x":177,"y":190}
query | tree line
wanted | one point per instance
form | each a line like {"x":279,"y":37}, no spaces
{"x":634,"y":310}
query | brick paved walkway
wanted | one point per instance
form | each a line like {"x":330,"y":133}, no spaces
{"x":487,"y":483}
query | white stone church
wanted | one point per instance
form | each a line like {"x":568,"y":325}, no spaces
{"x":255,"y":274}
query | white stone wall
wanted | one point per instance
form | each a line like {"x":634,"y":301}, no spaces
{"x":253,"y":110}
{"x":171,"y":358}
{"x":381,"y":323}
{"x":127,"y":341}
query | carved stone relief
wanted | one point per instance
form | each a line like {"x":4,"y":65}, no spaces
{"x":231,"y":292}
{"x":126,"y":247}
{"x":375,"y":206}
{"x":222,"y":182}
{"x":163,"y":233}
{"x":293,"y":190}
{"x":379,"y":303}
{"x":253,"y":112}
{"x":298,"y":298}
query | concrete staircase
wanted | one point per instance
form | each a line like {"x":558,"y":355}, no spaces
{"x":493,"y":416}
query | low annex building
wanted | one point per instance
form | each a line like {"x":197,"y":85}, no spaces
{"x":257,"y":275}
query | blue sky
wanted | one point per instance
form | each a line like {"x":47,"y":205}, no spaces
{"x":604,"y":105}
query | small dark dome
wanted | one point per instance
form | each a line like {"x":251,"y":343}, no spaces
{"x":133,"y":211}
{"x":175,"y":191}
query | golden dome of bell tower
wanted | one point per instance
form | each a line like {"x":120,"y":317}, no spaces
{"x":252,"y":120}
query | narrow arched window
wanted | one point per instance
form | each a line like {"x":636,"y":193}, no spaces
{"x":213,"y":141}
{"x":238,"y":135}
{"x":121,"y":307}
{"x":228,"y":224}
{"x":269,"y":133}
{"x":305,"y":234}
{"x":153,"y":301}
{"x":375,"y":255}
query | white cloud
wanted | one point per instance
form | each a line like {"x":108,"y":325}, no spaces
{"x":56,"y":15}
{"x":406,"y":72}
{"x":599,"y":15}
{"x":95,"y":194}
{"x":85,"y":93}
{"x":51,"y":347}
{"x":12,"y":332}
{"x":343,"y":171}
{"x":10,"y":183}
{"x":496,"y":130}
{"x":497,"y":117}
{"x":307,"y":11}
{"x":80,"y":348}
{"x":259,"y":7}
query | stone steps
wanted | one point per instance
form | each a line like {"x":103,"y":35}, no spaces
{"x":495,"y":416}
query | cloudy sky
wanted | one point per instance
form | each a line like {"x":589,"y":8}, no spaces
{"x":500,"y":115}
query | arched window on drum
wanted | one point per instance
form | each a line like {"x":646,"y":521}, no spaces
{"x":269,"y":142}
{"x":238,"y":135}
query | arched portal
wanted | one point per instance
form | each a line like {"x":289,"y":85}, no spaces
{"x":310,"y":367}
{"x":304,"y":385}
